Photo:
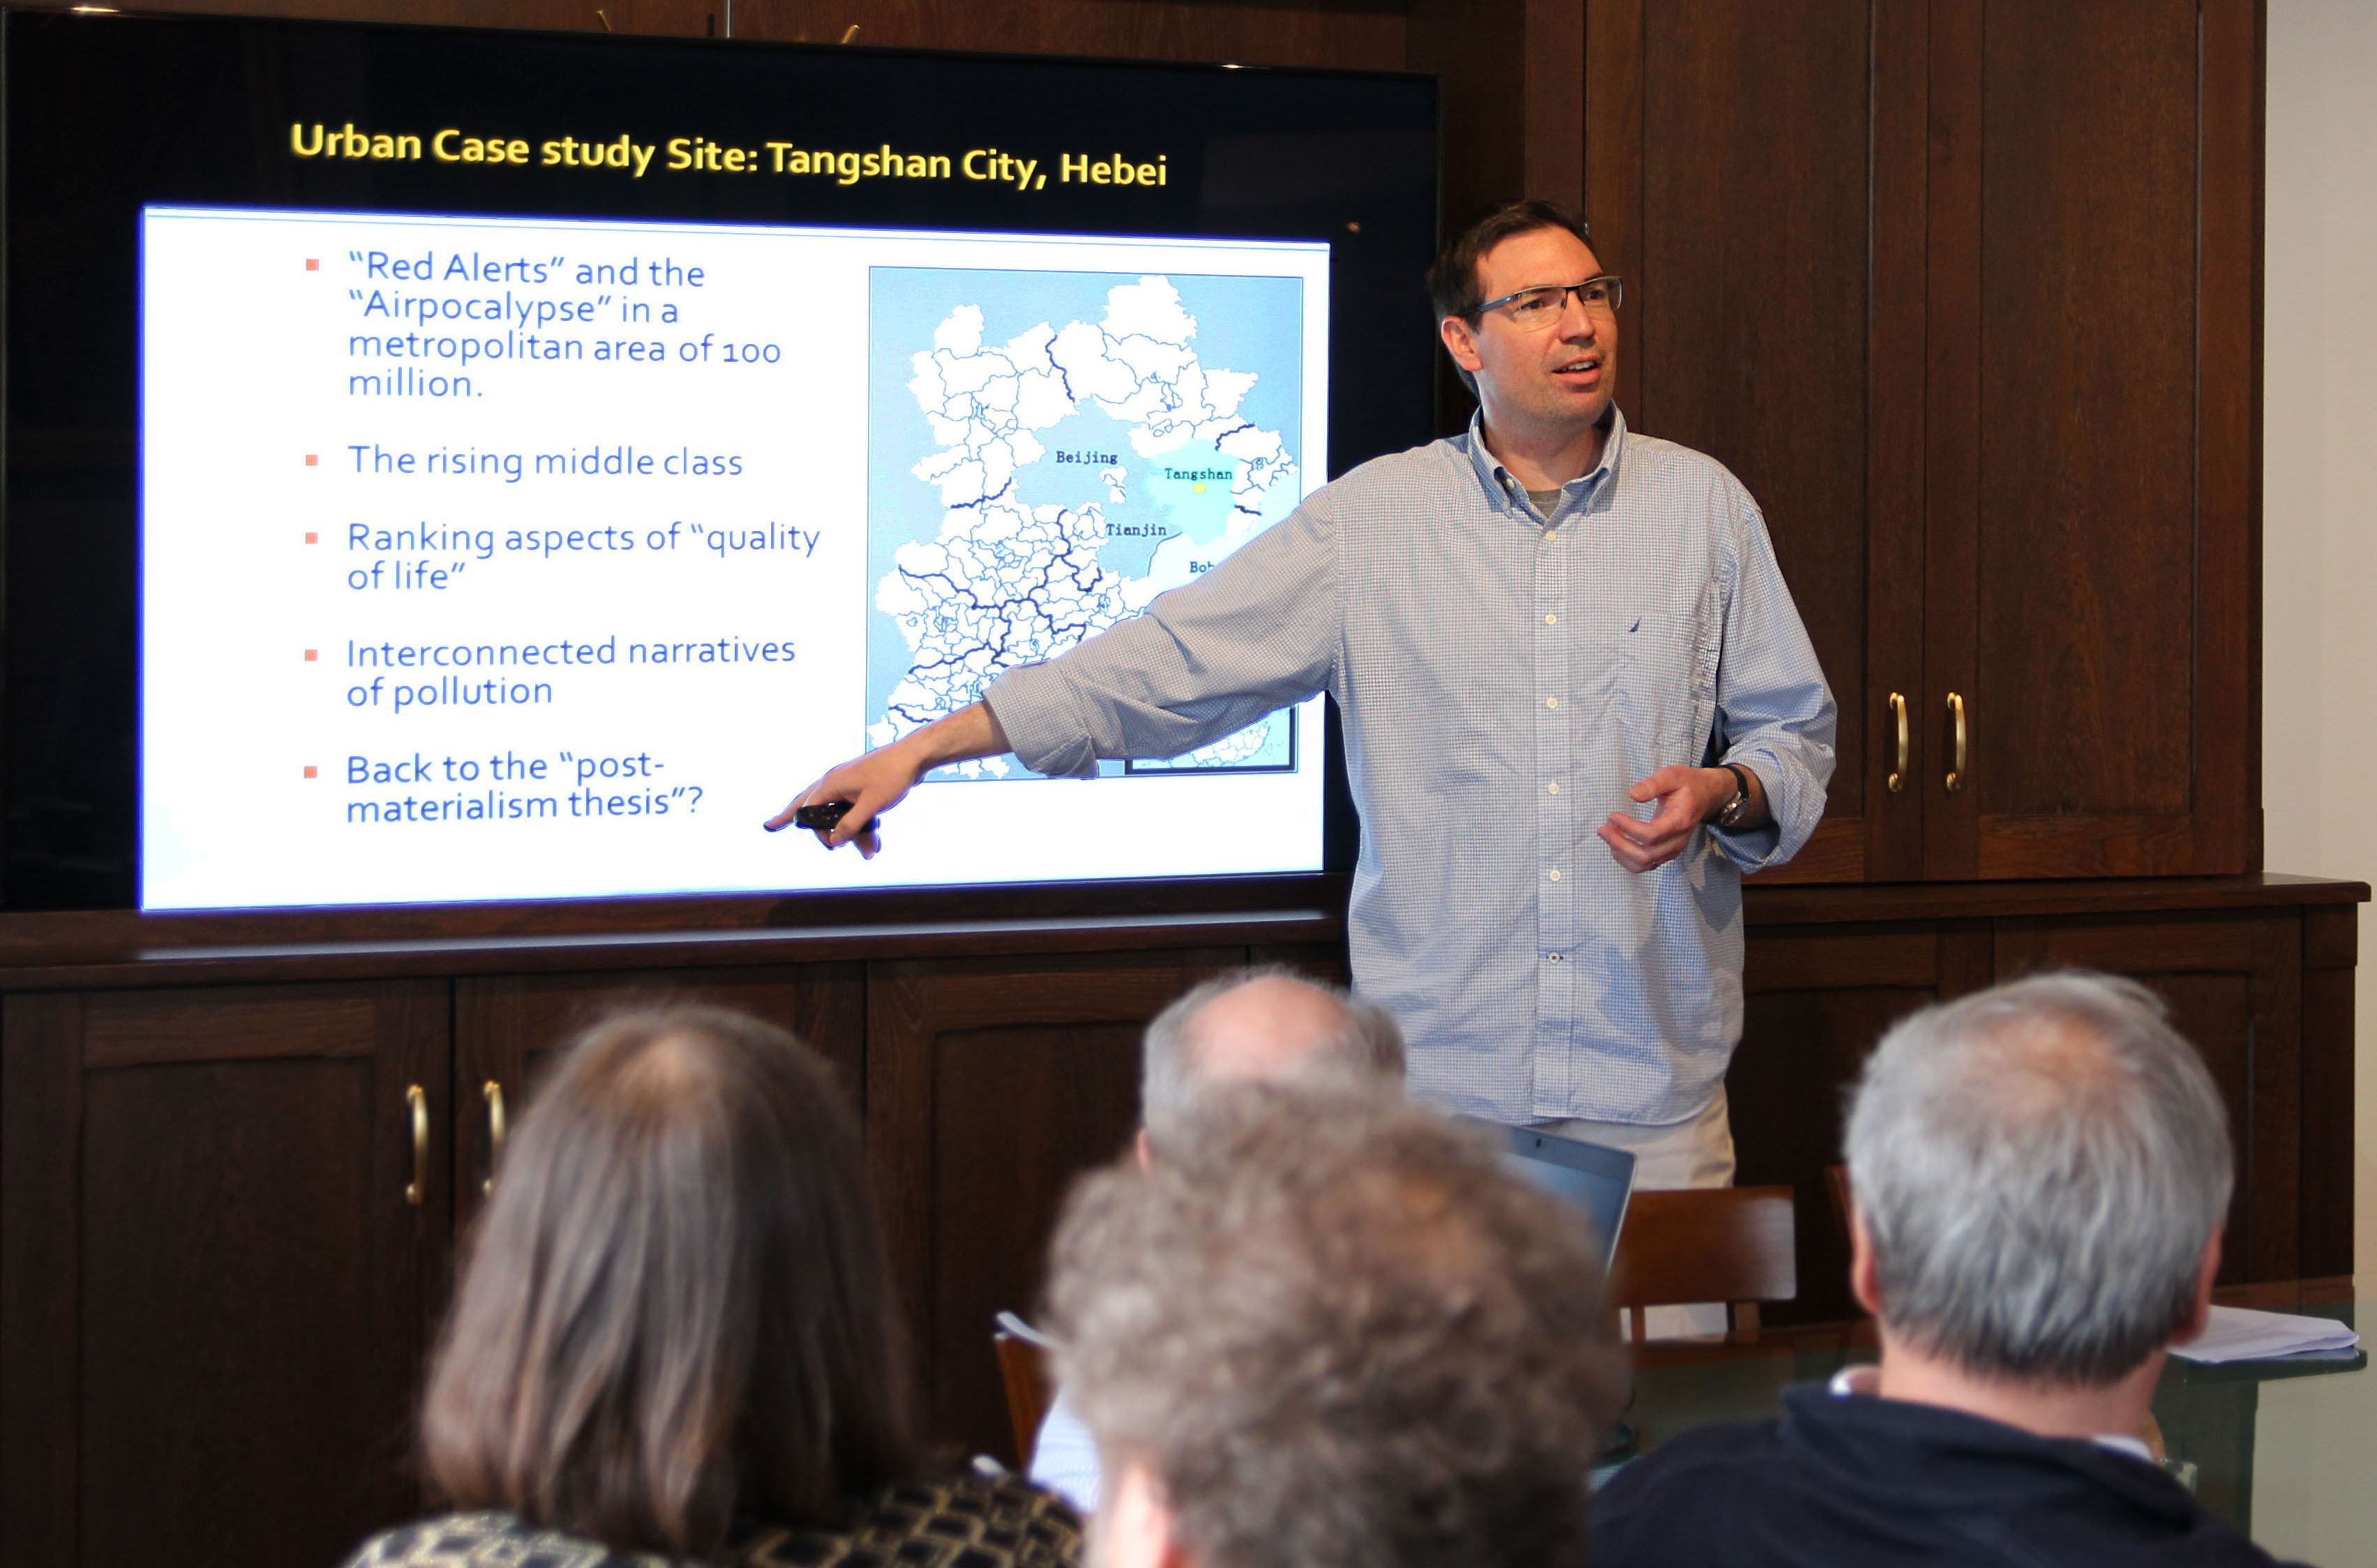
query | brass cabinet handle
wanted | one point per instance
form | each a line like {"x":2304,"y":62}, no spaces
{"x":1898,"y":712}
{"x":418,"y":1099}
{"x":494,"y":1094}
{"x":1956,"y":725}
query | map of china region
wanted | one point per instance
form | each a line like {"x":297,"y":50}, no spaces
{"x":1047,"y":452}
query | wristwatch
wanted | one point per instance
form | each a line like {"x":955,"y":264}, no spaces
{"x":1738,"y":807}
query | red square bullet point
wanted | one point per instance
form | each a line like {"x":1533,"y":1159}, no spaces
{"x":313,"y":264}
{"x":313,"y":538}
{"x":311,"y":655}
{"x":309,"y":773}
{"x":311,"y":459}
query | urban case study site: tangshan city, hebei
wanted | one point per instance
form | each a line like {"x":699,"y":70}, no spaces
{"x":701,"y":155}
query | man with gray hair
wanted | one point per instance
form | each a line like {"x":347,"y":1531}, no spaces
{"x":1349,"y":1339}
{"x":1263,"y":1025}
{"x":2041,"y":1173}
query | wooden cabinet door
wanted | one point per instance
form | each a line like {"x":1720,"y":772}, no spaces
{"x":1967,"y":292}
{"x":2234,"y":984}
{"x":2092,"y":435}
{"x":1755,"y":171}
{"x":1816,"y":1001}
{"x":216,"y":1236}
{"x":991,"y":1083}
{"x":507,"y":1028}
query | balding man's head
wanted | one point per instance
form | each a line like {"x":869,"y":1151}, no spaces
{"x":1261,"y":1025}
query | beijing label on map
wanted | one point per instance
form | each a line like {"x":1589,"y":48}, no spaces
{"x":1048,"y":451}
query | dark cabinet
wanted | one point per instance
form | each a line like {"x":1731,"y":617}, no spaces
{"x":225,"y":1216}
{"x":226,"y":1227}
{"x":2093,"y":402}
{"x":1967,"y":293}
{"x":2254,"y":986}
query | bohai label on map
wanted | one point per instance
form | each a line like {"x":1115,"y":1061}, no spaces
{"x":1048,"y":451}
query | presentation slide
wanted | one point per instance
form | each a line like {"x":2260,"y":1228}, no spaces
{"x":492,"y":559}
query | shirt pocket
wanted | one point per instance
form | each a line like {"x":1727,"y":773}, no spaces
{"x":1651,"y":675}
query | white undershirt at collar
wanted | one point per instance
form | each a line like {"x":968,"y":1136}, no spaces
{"x":1866,"y":1379}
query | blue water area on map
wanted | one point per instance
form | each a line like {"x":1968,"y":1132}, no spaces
{"x":1243,"y":324}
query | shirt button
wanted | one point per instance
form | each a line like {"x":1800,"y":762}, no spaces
{"x":1551,"y":620}
{"x":1554,"y":957}
{"x":1553,"y":786}
{"x":1551,"y":702}
{"x":1553,"y":873}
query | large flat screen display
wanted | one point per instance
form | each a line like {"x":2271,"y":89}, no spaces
{"x":570,"y":548}
{"x":516,"y":507}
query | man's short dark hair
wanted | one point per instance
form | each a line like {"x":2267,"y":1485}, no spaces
{"x":1339,"y":1334}
{"x":1453,"y":280}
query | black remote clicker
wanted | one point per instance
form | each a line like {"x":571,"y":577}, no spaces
{"x":824,"y":816}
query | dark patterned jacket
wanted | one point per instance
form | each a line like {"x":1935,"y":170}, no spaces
{"x":965,"y":1522}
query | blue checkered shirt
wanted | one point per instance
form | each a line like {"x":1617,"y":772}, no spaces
{"x":1505,"y":678}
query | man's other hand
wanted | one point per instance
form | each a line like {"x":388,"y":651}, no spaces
{"x":1687,"y":797}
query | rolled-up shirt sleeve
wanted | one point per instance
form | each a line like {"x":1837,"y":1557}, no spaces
{"x":1774,"y":713}
{"x":1254,"y":635}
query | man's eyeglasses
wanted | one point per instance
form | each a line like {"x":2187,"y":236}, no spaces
{"x":1539,"y":309}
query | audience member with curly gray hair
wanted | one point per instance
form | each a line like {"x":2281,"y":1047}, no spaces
{"x":1333,"y":1335}
{"x":2040,"y":1174}
{"x":1267,"y":1024}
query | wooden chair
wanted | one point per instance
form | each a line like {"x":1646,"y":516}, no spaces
{"x":1023,"y":1367}
{"x":1836,"y":1182}
{"x":1730,"y":1244}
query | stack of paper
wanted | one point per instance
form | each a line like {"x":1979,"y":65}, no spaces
{"x":2240,"y":1334}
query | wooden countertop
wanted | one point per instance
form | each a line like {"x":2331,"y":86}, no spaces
{"x":118,"y":948}
{"x":1796,"y":905}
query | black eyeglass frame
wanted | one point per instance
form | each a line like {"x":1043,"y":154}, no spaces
{"x":1617,"y":294}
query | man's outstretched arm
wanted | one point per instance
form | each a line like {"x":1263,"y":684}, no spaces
{"x":881,"y":779}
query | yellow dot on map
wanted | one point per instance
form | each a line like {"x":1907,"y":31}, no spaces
{"x":1201,"y":488}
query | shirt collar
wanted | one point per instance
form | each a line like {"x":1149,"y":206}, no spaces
{"x":1865,"y":1380}
{"x":1500,"y":481}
